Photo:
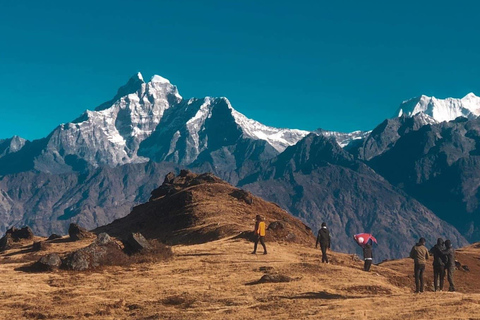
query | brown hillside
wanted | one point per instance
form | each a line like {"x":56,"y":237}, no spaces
{"x":220,"y":280}
{"x":192,"y":209}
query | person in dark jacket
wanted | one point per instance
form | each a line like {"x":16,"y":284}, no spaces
{"x":323,"y":239}
{"x":419,"y":254}
{"x":367,"y":256}
{"x":449,"y":252}
{"x":438,"y":264}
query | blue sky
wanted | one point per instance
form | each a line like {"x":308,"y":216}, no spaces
{"x":339,"y":65}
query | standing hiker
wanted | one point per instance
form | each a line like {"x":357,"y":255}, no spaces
{"x":450,"y":264}
{"x":259,"y":234}
{"x":419,"y":254}
{"x":367,"y":256}
{"x":438,"y":264}
{"x":324,"y":239}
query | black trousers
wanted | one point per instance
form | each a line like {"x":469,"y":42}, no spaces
{"x":450,"y":271}
{"x":438,"y":277}
{"x":262,"y":242}
{"x":367,"y":265}
{"x":418,"y":270}
{"x":324,"y":253}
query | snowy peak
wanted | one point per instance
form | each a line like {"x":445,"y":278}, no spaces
{"x":278,"y":138}
{"x":442,"y":109}
{"x":343,"y":138}
{"x":11,"y":145}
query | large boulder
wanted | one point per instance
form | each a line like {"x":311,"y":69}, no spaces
{"x":6,"y":242}
{"x":102,"y":252}
{"x":40,"y":245}
{"x":78,"y":233}
{"x":136,"y":242}
{"x":54,"y":236}
{"x":24,"y":233}
{"x":50,"y":262}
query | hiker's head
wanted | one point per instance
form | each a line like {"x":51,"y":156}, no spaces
{"x":440,"y":242}
{"x":324,"y":224}
{"x":422,"y":240}
{"x":448,"y":244}
{"x":258,"y":217}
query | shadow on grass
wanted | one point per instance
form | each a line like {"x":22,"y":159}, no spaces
{"x":61,"y":240}
{"x":198,"y":254}
{"x":317,"y":295}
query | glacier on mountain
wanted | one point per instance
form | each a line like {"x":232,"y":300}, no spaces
{"x":440,"y":110}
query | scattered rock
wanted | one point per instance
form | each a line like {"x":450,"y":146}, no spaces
{"x":265,"y":269}
{"x":40,"y":246}
{"x":54,"y":236}
{"x":78,"y":233}
{"x":458,"y":265}
{"x":50,"y":262}
{"x":135,"y":243}
{"x":6,"y":242}
{"x":274,"y":278}
{"x":15,"y":235}
{"x":95,"y":255}
{"x":357,"y":258}
{"x":21,"y":234}
{"x":290,"y":236}
{"x":243,"y":195}
{"x":276,"y":225}
{"x":103,"y":238}
{"x":169,"y":178}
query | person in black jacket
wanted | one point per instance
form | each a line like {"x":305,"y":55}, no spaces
{"x":324,"y":239}
{"x":367,"y":256}
{"x":438,"y":264}
{"x":450,"y":264}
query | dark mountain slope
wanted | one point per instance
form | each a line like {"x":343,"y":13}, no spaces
{"x":439,"y":165}
{"x":318,"y":181}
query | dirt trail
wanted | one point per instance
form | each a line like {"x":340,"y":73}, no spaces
{"x":217,"y":280}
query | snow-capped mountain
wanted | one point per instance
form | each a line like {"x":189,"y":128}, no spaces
{"x":440,"y":110}
{"x":343,"y":138}
{"x":177,"y":130}
{"x":11,"y":145}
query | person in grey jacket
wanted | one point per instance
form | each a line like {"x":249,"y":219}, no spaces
{"x":419,"y":254}
{"x":449,"y":252}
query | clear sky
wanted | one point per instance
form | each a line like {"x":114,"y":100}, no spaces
{"x":337,"y":65}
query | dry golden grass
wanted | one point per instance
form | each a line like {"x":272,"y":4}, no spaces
{"x":214,"y":281}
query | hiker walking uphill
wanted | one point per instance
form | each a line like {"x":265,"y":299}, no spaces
{"x":259,"y":234}
{"x":324,"y":239}
{"x":450,"y":263}
{"x":419,"y":254}
{"x":438,"y":264}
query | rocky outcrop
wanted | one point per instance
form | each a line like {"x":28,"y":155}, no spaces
{"x":135,"y":243}
{"x":78,"y":233}
{"x":49,"y":262}
{"x":103,"y":252}
{"x":15,"y":235}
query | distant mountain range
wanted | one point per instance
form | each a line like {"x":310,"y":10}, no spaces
{"x":100,"y":165}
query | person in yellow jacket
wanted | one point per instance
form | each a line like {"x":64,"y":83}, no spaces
{"x":259,"y":234}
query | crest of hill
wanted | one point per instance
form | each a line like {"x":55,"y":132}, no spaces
{"x":196,"y":208}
